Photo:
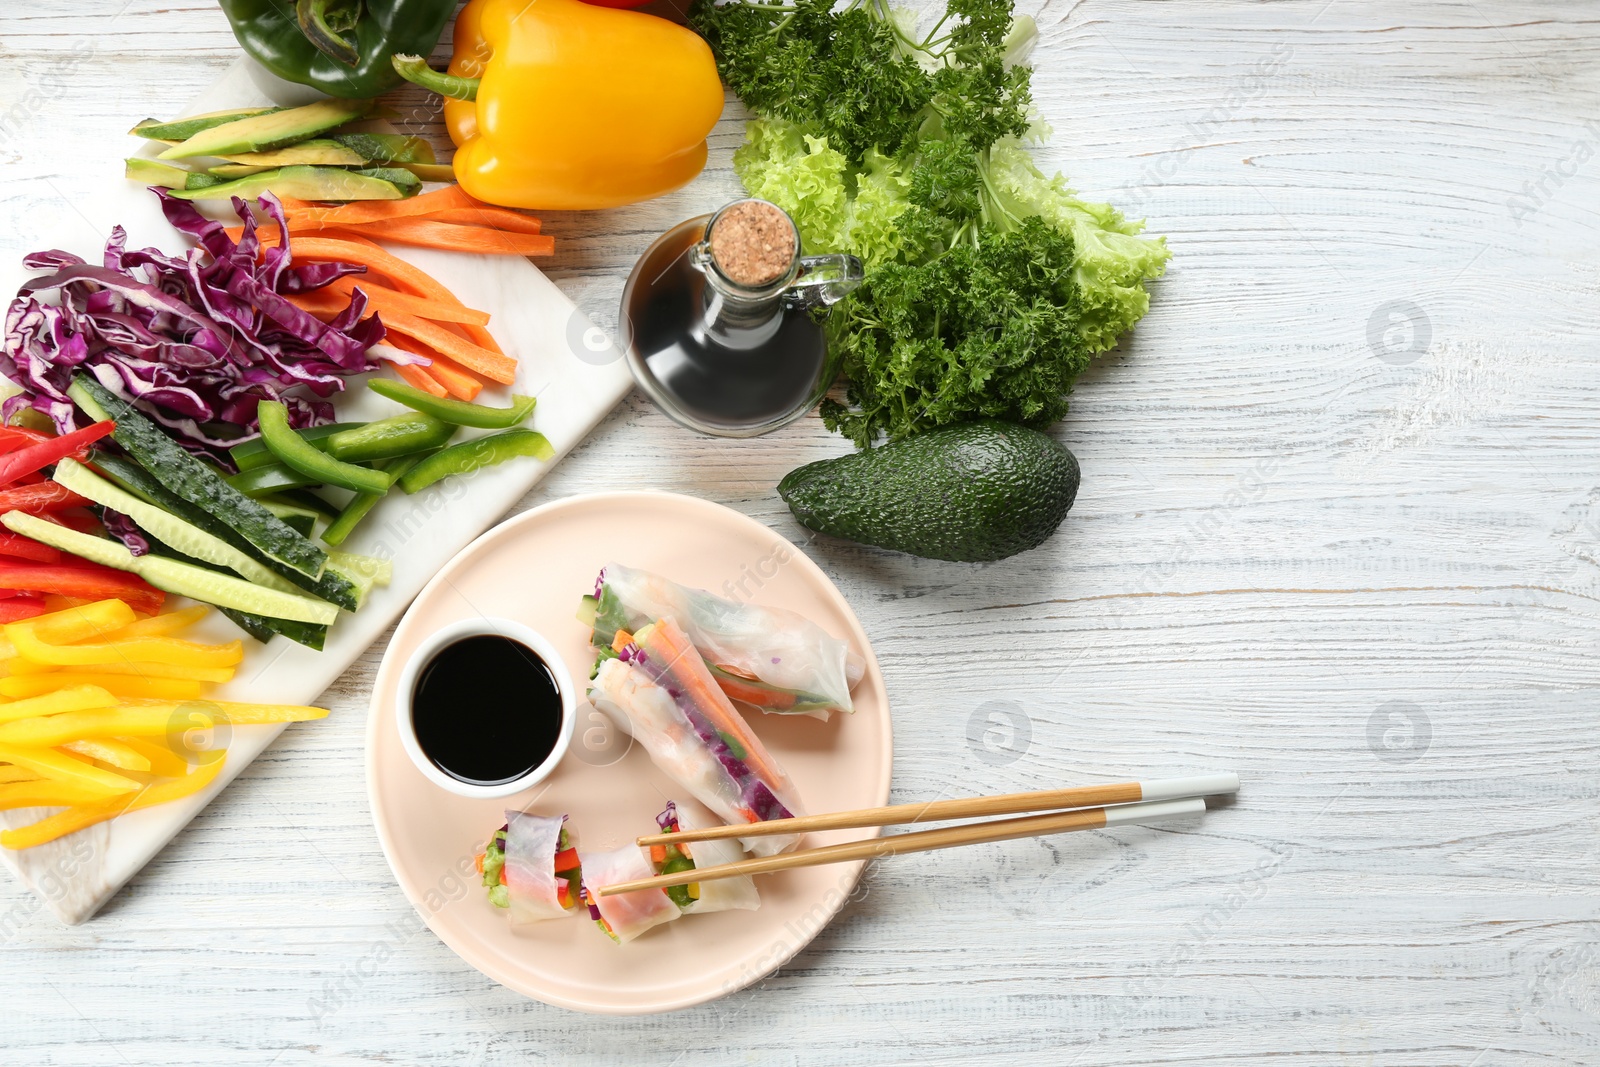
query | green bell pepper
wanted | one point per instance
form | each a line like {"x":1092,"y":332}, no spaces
{"x":473,"y":455}
{"x":341,"y":47}
{"x":459,"y":412}
{"x":299,"y":455}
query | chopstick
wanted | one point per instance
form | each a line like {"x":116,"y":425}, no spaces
{"x":967,"y":808}
{"x":926,"y":841}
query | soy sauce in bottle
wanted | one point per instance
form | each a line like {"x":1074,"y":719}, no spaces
{"x":718,"y":320}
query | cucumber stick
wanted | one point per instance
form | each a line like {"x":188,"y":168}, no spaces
{"x":167,"y":527}
{"x":184,"y":579}
{"x":193,"y":481}
{"x":330,"y":586}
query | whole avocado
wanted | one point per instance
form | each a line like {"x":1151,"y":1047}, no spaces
{"x":973,"y":492}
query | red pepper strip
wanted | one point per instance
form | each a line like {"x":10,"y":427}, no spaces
{"x":566,"y":860}
{"x":82,"y":579}
{"x":15,"y":437}
{"x":27,"y":548}
{"x":26,"y":460}
{"x":21,"y":607}
{"x":46,"y":496}
{"x":7,"y":594}
{"x":73,"y":519}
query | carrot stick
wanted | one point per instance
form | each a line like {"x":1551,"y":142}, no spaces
{"x":492,"y":365}
{"x":376,"y":260}
{"x":425,"y":233}
{"x":451,"y":196}
{"x":457,"y":381}
{"x":382,"y":298}
{"x":480,"y":337}
{"x":688,"y":669}
{"x":496,"y":218}
{"x":419,"y":378}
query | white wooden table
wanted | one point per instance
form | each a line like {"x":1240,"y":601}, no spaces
{"x":1338,"y":530}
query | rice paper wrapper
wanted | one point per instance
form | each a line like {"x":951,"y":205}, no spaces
{"x":779,"y":647}
{"x":628,"y":914}
{"x":531,"y":881}
{"x":721,"y":894}
{"x":647,"y":712}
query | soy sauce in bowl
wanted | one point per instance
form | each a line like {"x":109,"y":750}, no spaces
{"x":490,"y":708}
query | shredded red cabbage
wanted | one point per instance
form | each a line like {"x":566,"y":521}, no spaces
{"x":193,"y":341}
{"x":125,"y":530}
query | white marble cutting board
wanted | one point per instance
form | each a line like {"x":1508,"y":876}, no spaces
{"x":563,"y":360}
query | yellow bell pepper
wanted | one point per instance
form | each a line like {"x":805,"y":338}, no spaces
{"x":60,"y":767}
{"x":577,"y":106}
{"x":77,"y":698}
{"x":173,"y":650}
{"x":118,"y":685}
{"x":80,"y":816}
{"x":146,"y":720}
{"x":44,"y":795}
{"x":109,"y":750}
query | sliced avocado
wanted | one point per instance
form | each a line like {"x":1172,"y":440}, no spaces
{"x":309,"y":183}
{"x":153,"y":172}
{"x":397,"y":175}
{"x":230,"y":171}
{"x":183,"y":129}
{"x":386,"y":147}
{"x":431,"y":172}
{"x":263,"y":132}
{"x":971,"y":492}
{"x":317,"y":152}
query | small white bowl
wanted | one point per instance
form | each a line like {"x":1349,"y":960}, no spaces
{"x":476,"y":627}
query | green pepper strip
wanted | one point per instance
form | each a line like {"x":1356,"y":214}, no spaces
{"x":473,"y":455}
{"x":274,"y":477}
{"x":254,"y":452}
{"x":458,"y":412}
{"x":343,"y":526}
{"x":415,"y":69}
{"x":400,"y":435}
{"x":299,"y":456}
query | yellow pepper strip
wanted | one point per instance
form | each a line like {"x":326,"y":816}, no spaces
{"x":159,"y":625}
{"x":73,"y":624}
{"x":107,"y":750}
{"x":16,"y":774}
{"x":143,"y":649}
{"x":118,"y":685}
{"x":139,"y":669}
{"x":150,"y":720}
{"x":80,"y":816}
{"x":79,"y":698}
{"x":163,"y":761}
{"x":60,"y":767}
{"x":45,"y":795}
{"x":579,"y":106}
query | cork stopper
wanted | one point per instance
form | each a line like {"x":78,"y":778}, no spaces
{"x":752,"y":243}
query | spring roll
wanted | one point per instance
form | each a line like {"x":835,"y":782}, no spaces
{"x":770,"y":658}
{"x":723,"y":894}
{"x":530,"y":867}
{"x":659,"y":691}
{"x":627,"y":915}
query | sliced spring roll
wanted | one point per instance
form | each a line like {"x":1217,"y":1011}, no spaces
{"x":530,"y":867}
{"x":723,"y":894}
{"x":626,"y":915}
{"x":659,"y":691}
{"x":773,"y":659}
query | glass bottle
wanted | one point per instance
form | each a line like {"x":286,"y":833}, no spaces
{"x":718,"y":320}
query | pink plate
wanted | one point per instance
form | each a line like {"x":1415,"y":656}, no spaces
{"x":534,"y":568}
